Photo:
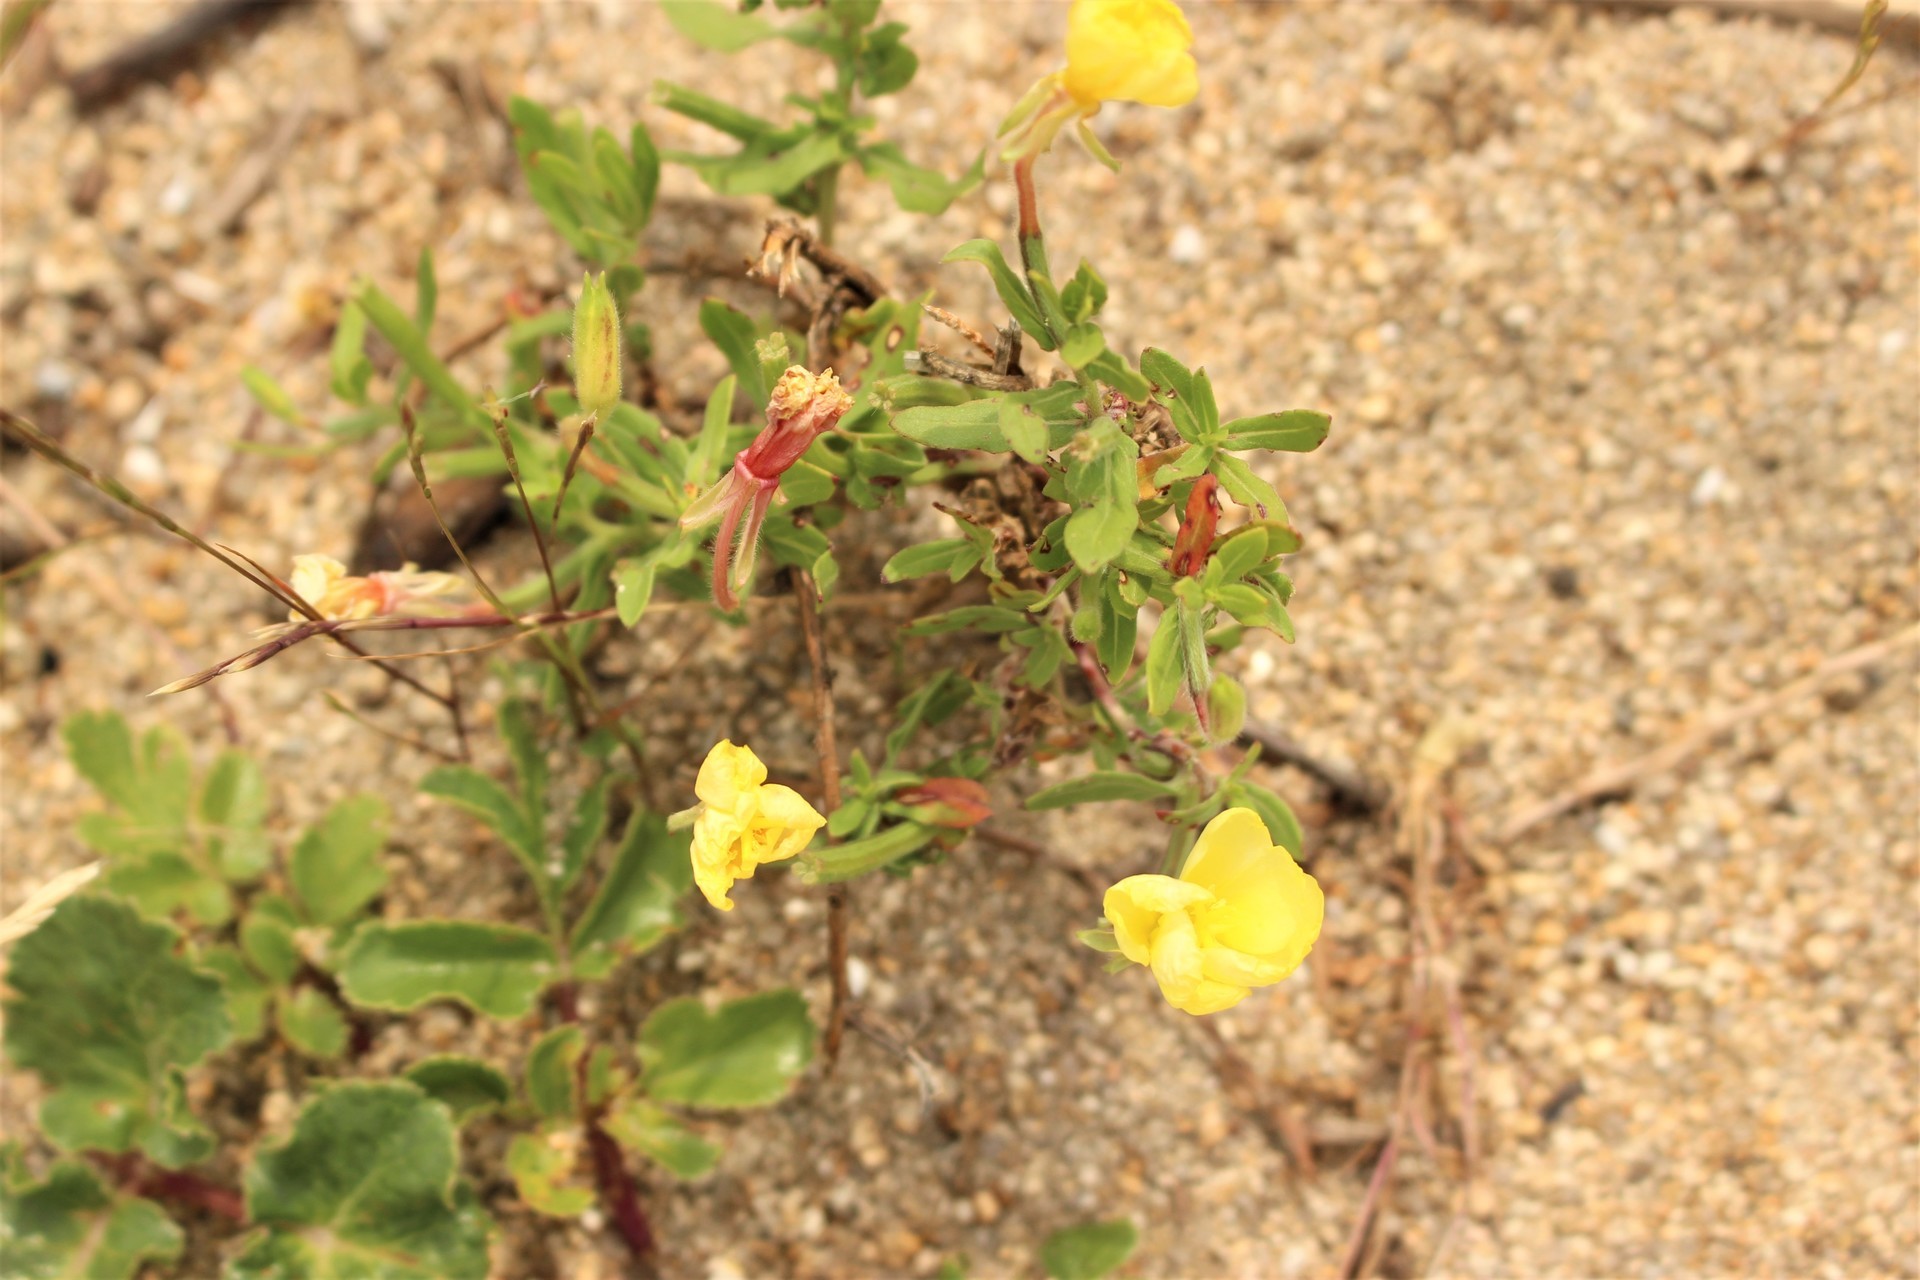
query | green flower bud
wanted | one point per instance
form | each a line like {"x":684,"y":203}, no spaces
{"x":1226,"y":709}
{"x":596,"y":348}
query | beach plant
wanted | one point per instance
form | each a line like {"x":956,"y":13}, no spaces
{"x":1089,"y":532}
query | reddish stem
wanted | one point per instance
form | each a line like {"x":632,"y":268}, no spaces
{"x":141,"y":1177}
{"x":618,"y":1192}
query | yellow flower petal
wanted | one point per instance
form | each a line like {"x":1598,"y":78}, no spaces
{"x":1266,"y":906}
{"x":1209,"y":997}
{"x":1135,"y":906}
{"x":716,"y":837}
{"x":1238,"y":969}
{"x":1176,"y":958}
{"x":1129,"y":51}
{"x":728,"y":775}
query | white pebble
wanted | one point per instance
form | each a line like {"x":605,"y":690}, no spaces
{"x":1188,"y":247}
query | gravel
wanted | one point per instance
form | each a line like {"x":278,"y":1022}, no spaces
{"x":1625,"y":432}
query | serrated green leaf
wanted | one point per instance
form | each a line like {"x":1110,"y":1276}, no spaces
{"x":467,"y":788}
{"x":466,"y":1086}
{"x":651,"y":1131}
{"x":497,"y":969}
{"x":336,"y":868}
{"x":551,"y":1083}
{"x":546,"y":1171}
{"x":636,"y":903}
{"x":312,"y":1025}
{"x":233,"y":802}
{"x":103,"y":1010}
{"x":1089,"y":1252}
{"x":1013,"y":292}
{"x":69,"y":1225}
{"x":1094,"y":788}
{"x":1295,"y":430}
{"x":746,"y":1053}
{"x":365,"y":1189}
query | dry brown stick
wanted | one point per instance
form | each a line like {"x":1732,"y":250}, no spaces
{"x":160,"y":53}
{"x":250,"y":180}
{"x":825,"y":743}
{"x":936,"y":365}
{"x":1619,"y":779}
{"x":959,"y":326}
{"x":1350,"y":789}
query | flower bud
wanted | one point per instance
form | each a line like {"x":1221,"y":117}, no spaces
{"x":1226,"y":709}
{"x":596,"y":348}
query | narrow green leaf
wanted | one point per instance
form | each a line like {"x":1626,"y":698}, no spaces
{"x":923,"y":558}
{"x":746,"y":1053}
{"x":1247,"y":488}
{"x":972,"y":425}
{"x":1296,"y":431}
{"x":1013,"y":293}
{"x":496,"y":969}
{"x":348,"y":365}
{"x":917,"y":189}
{"x":1163,"y":666}
{"x":519,"y":729}
{"x":271,"y":396}
{"x":728,"y":119}
{"x":585,"y":827}
{"x":635,"y":905}
{"x":426,"y":293}
{"x":716,"y":26}
{"x":467,"y":788}
{"x":735,"y":333}
{"x":653,"y":1132}
{"x":1094,"y":788}
{"x":407,"y":341}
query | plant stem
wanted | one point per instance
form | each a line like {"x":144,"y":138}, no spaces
{"x":827,"y":200}
{"x":828,"y":749}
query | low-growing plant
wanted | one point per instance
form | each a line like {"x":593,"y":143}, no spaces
{"x":1106,"y":540}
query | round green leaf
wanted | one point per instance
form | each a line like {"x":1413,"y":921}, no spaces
{"x":746,"y":1053}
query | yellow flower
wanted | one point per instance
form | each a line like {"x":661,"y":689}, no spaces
{"x":1130,"y":51}
{"x":1242,"y":915}
{"x":743,"y":822}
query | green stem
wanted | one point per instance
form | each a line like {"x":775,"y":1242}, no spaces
{"x":827,"y":200}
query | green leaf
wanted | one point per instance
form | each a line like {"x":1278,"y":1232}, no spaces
{"x":1296,"y":431}
{"x":1083,"y":344}
{"x":635,"y":905}
{"x":312,"y":1025}
{"x":1238,"y":556}
{"x":467,"y":788}
{"x":1174,"y":384}
{"x":712,"y":112}
{"x":465,"y":1086}
{"x":519,"y":729}
{"x":703,"y":463}
{"x":584,"y":830}
{"x":166,"y":883}
{"x":247,"y":993}
{"x":746,"y":1053}
{"x":987,"y":618}
{"x":972,"y":425}
{"x":917,"y":189}
{"x":268,"y":945}
{"x":426,"y":292}
{"x":104,"y":1010}
{"x":1090,"y":1251}
{"x":1096,"y":787}
{"x":550,"y":1071}
{"x":885,"y":65}
{"x":71,"y":1225}
{"x":545,"y":1169}
{"x":336,"y":868}
{"x":348,"y":365}
{"x":1163,"y":666}
{"x":365,"y":1188}
{"x":651,"y":1131}
{"x":1248,"y":489}
{"x":1096,"y":535}
{"x":734,"y":332}
{"x":772,"y":166}
{"x":233,"y":801}
{"x":645,"y":158}
{"x":407,"y":341}
{"x":1084,"y":295}
{"x":495,"y":968}
{"x":717,"y":26}
{"x":1012,"y":292}
{"x":923,"y":558}
{"x":271,"y":396}
{"x":1023,"y":430}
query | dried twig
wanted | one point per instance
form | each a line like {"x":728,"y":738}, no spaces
{"x":932,"y":363}
{"x":1349,"y":788}
{"x":160,"y":53}
{"x":1619,"y":779}
{"x":807,"y":593}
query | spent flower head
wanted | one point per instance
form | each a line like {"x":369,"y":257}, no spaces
{"x":1242,"y":915}
{"x":324,"y":583}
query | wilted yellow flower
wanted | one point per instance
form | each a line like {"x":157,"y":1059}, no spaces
{"x":1242,"y":915}
{"x":743,"y":822}
{"x":1130,"y":51}
{"x":1117,"y":51}
{"x":324,"y":583}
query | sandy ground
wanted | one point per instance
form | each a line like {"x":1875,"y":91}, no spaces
{"x":1626,"y":415}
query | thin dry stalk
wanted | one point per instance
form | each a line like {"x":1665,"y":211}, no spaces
{"x":29,"y":915}
{"x":1619,"y":779}
{"x":826,"y":744}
